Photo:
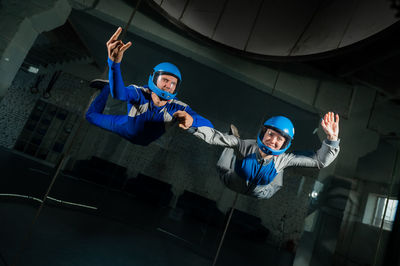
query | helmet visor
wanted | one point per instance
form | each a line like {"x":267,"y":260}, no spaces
{"x":166,"y":81}
{"x":276,"y":133}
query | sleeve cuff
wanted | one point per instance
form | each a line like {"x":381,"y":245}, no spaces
{"x":112,"y":64}
{"x":194,"y":124}
{"x":192,"y":130}
{"x":333,"y":143}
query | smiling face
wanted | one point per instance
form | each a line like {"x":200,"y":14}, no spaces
{"x":167,"y":83}
{"x":273,"y":139}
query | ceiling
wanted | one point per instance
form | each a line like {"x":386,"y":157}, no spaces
{"x":286,"y":28}
{"x":358,"y":41}
{"x":372,"y":61}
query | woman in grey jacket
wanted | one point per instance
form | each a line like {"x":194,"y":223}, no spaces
{"x":255,"y":167}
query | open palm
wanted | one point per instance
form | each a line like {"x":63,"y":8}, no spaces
{"x":330,"y":125}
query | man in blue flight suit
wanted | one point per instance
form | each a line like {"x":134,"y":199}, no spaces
{"x":151,"y":108}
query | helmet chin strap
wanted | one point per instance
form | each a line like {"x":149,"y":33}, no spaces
{"x":157,"y":100}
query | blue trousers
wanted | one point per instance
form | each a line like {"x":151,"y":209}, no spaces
{"x":96,"y":117}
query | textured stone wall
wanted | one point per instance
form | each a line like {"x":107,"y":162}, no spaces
{"x":69,"y":92}
{"x":15,"y":108}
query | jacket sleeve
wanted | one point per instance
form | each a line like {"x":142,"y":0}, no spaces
{"x":198,"y":120}
{"x":214,"y":137}
{"x":267,"y":191}
{"x":323,"y":157}
{"x":117,"y":87}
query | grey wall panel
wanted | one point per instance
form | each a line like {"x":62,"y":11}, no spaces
{"x":371,"y":16}
{"x":386,"y":117}
{"x":279,"y":26}
{"x":335,"y":97}
{"x":300,"y":87}
{"x":377,"y":166}
{"x":236,"y":23}
{"x":174,"y":7}
{"x":202,"y":15}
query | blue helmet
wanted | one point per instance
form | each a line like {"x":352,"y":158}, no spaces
{"x":164,"y":69}
{"x":282,"y":125}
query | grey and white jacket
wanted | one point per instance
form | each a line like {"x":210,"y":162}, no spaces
{"x":243,"y":170}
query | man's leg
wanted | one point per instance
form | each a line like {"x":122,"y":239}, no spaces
{"x":98,"y":101}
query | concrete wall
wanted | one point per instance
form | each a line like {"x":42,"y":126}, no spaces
{"x":25,"y":20}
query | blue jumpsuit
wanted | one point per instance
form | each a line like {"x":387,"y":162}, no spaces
{"x":144,"y":122}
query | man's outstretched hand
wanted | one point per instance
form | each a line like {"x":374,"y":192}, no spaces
{"x":116,"y":48}
{"x":185,"y":120}
{"x":330,"y":125}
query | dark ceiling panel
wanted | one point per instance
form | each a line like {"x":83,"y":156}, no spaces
{"x":236,"y":23}
{"x":174,"y":7}
{"x":202,"y":15}
{"x":370,"y":17}
{"x":279,"y":26}
{"x":327,"y":28}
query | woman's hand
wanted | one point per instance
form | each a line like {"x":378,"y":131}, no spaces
{"x":330,"y":125}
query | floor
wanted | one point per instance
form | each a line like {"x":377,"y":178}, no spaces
{"x":123,"y":230}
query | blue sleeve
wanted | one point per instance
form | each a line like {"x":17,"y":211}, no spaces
{"x":198,"y":120}
{"x":117,"y":87}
